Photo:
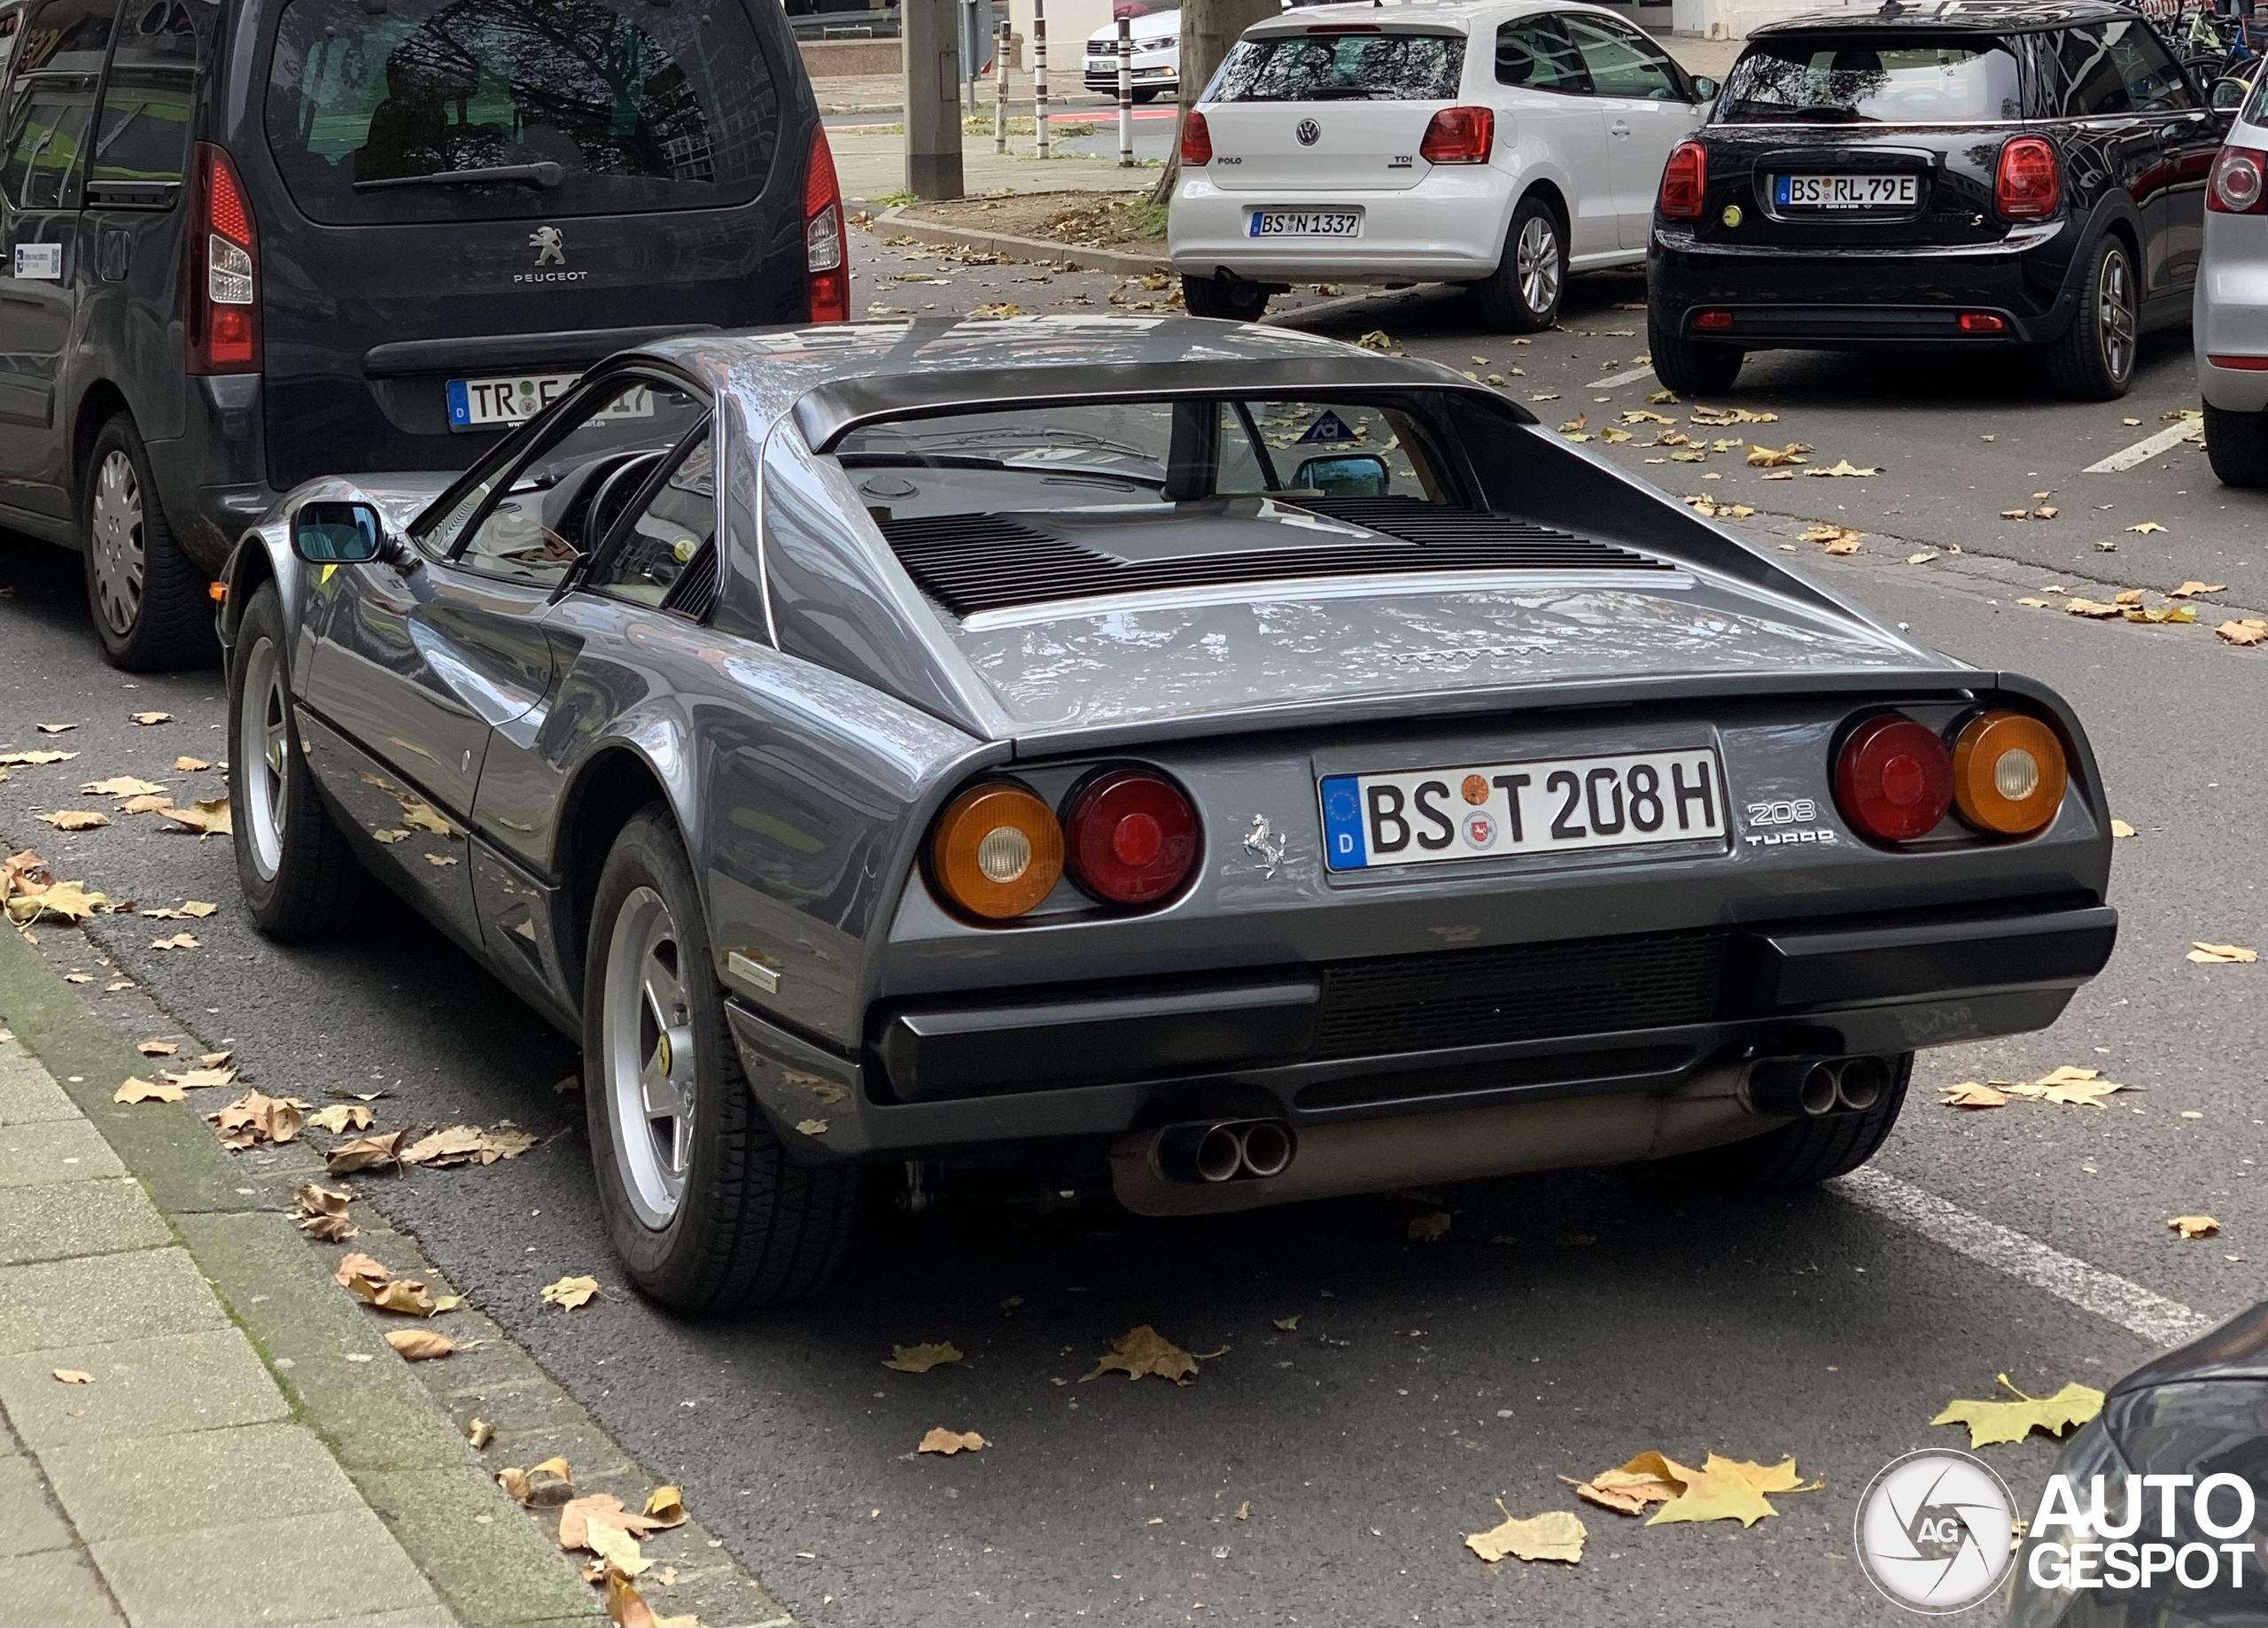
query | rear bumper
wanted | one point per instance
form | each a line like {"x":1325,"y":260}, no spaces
{"x":1348,"y":1041}
{"x":1449,"y":226}
{"x":2231,"y":317}
{"x":1859,"y":299}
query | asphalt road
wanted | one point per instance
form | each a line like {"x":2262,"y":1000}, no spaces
{"x":1563,"y":1324}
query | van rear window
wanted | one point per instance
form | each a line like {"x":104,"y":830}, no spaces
{"x":603,"y":106}
{"x":1889,"y":78}
{"x":1339,"y":67}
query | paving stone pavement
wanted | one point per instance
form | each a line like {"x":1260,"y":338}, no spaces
{"x":176,"y":1487}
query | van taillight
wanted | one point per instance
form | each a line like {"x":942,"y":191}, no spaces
{"x":827,"y":258}
{"x":2029,"y":186}
{"x":1685,"y":183}
{"x":224,"y":288}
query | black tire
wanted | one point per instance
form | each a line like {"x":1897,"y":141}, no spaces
{"x":746,"y":1227}
{"x":299,"y":878}
{"x":2236,"y":444}
{"x":1803,"y":1153}
{"x":1692,"y":368}
{"x":1522,"y":295}
{"x":2094,"y":360}
{"x":1233,"y":302}
{"x":153,"y":612}
{"x":1141,"y":97}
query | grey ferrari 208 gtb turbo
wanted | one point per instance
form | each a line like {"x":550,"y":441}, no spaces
{"x":1221,"y":757}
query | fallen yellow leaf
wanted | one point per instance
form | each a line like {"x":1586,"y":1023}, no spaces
{"x":2195,"y":1226}
{"x":2192,"y":587}
{"x":186,"y":764}
{"x":148,"y":718}
{"x":1991,"y":1422}
{"x":321,"y":1214}
{"x":2120,"y":828}
{"x":208,"y":818}
{"x":1649,"y":1479}
{"x":365,"y":1152}
{"x":119,"y":785}
{"x":922,"y":1358}
{"x":2236,"y":954}
{"x":1430,"y":1228}
{"x":1287,"y":1324}
{"x":480,"y":1433}
{"x":2146,"y":527}
{"x":947,"y":1443}
{"x":1726,"y":1490}
{"x":420,"y":1344}
{"x":569,"y":1292}
{"x":666,"y":1505}
{"x":1969,"y":1094}
{"x":1143,"y":1350}
{"x":2240,"y":632}
{"x":1553,"y":1535}
{"x":74,"y":819}
{"x":146,"y":1091}
{"x":340,"y":1118}
{"x":74,"y":1376}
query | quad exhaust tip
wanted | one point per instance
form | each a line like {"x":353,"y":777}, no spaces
{"x":1211,"y":1151}
{"x":1807,"y":1087}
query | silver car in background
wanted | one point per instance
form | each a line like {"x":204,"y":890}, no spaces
{"x":2230,"y":320}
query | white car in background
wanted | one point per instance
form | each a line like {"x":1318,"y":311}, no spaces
{"x":1156,"y":39}
{"x":1503,"y":144}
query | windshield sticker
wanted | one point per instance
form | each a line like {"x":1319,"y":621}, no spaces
{"x":1328,"y":431}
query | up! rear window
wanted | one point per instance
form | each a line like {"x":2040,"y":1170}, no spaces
{"x":1337,"y":68}
{"x":1887,"y":78}
{"x":642,"y":104}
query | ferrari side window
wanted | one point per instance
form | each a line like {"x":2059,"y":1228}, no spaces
{"x":668,"y":533}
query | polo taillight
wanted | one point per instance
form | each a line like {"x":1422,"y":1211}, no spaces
{"x":1685,"y":181}
{"x":2028,"y":185}
{"x":2236,"y":188}
{"x":827,"y":258}
{"x":1130,"y":836}
{"x":222,"y":313}
{"x":1894,"y":778}
{"x":1459,"y":135}
{"x":1196,"y":141}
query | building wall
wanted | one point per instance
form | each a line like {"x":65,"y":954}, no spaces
{"x":1730,"y":20}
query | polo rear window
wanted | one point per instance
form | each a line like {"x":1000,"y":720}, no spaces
{"x":1892,"y":77}
{"x":377,"y":108}
{"x":1371,"y":65}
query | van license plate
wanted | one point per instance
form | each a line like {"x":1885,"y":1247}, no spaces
{"x":1307,"y":223}
{"x":483,"y":404}
{"x":1848,"y":191}
{"x":1504,"y":811}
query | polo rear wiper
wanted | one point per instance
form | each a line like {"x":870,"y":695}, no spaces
{"x":544,"y":174}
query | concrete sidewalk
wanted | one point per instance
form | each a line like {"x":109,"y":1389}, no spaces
{"x":150,"y":1469}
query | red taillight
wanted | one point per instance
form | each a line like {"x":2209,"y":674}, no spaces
{"x":1196,"y":141}
{"x":2241,"y":364}
{"x":827,"y":259}
{"x":1983,"y":322}
{"x":1712,"y":319}
{"x":1894,"y":778}
{"x":2029,"y":186}
{"x":1132,"y":836}
{"x":1459,"y":135}
{"x":223,"y":283}
{"x":2236,"y":187}
{"x":1685,"y":181}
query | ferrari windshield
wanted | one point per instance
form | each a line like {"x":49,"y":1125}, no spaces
{"x":1120,"y":453}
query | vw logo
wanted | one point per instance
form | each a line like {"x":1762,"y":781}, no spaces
{"x":1309,"y":132}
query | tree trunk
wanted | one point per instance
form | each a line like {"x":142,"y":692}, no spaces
{"x":1208,"y":29}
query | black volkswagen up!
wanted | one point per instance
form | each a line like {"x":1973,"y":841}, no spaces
{"x":246,"y":242}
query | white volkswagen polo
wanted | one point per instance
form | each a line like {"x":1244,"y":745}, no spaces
{"x":1501,"y":144}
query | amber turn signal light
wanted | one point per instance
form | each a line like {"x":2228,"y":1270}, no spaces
{"x":997,"y":851}
{"x":2008,"y":773}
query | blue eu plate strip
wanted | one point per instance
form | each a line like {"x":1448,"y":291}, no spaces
{"x":1343,"y":848}
{"x":460,"y":408}
{"x":1786,"y":190}
{"x":1254,"y":232}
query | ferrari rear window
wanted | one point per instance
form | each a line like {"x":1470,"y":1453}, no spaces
{"x":1140,"y":454}
{"x":1850,"y":77}
{"x":1339,"y":67}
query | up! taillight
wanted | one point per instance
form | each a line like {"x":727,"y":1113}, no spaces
{"x":1131,"y":836}
{"x":2028,"y":185}
{"x":827,"y":258}
{"x":223,"y":283}
{"x":1685,"y":181}
{"x":1894,"y":778}
{"x":1459,"y":135}
{"x":2236,"y":188}
{"x":1196,"y":141}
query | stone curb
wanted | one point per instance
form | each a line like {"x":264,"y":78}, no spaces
{"x":1024,"y":248}
{"x":373,"y":1413}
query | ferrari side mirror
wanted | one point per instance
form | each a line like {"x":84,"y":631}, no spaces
{"x":337,"y":533}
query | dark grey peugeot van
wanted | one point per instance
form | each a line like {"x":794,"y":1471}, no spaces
{"x":251,"y":241}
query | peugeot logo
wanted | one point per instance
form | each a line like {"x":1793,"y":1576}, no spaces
{"x":1309,"y":132}
{"x":549,"y":244}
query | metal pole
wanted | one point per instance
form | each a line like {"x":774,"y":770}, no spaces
{"x":1125,"y":94}
{"x":1000,"y":90}
{"x":1039,"y":73}
{"x":933,"y":132}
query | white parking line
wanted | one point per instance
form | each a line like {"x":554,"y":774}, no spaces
{"x":2091,"y":1289}
{"x":1620,"y":375}
{"x":2142,"y":452}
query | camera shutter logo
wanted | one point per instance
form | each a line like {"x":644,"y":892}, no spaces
{"x":1936,"y":1532}
{"x":1309,"y":132}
